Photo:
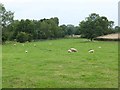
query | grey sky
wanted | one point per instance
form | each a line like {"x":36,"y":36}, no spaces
{"x":68,"y":11}
{"x":119,"y":14}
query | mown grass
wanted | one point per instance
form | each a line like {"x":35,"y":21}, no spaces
{"x":49,"y":65}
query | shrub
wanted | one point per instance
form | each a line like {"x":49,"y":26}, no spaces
{"x":4,"y":38}
{"x":30,"y":37}
{"x":23,"y":37}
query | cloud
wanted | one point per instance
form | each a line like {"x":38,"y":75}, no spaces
{"x":15,"y":1}
{"x":68,"y":11}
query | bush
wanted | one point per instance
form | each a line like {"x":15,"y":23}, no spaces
{"x":4,"y":38}
{"x":30,"y":37}
{"x":23,"y":37}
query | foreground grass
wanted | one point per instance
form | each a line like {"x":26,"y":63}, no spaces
{"x":49,"y":65}
{"x":0,"y":66}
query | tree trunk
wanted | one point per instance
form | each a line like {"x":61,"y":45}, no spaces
{"x":91,"y":39}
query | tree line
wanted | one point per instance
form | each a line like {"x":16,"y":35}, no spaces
{"x":28,"y":30}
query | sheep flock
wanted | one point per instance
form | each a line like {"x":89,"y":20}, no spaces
{"x":75,"y":50}
{"x":71,"y":50}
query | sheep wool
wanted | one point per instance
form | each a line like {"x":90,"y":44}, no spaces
{"x":69,"y":51}
{"x":73,"y":50}
{"x":26,"y":51}
{"x":14,"y":44}
{"x":91,"y":51}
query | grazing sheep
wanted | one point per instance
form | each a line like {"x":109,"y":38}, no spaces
{"x":69,"y":51}
{"x":73,"y":50}
{"x":26,"y":51}
{"x":14,"y":44}
{"x":34,"y":45}
{"x":99,"y":47}
{"x":91,"y":51}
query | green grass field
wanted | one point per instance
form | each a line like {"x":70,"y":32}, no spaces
{"x":0,"y":66}
{"x":49,"y":65}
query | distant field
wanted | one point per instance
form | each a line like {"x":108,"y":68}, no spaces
{"x":49,"y":65}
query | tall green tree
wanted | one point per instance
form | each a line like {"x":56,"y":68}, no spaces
{"x":7,"y":16}
{"x":116,"y":29}
{"x":6,"y":19}
{"x":94,"y":26}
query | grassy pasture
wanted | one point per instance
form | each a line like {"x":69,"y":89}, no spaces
{"x":49,"y":65}
{"x":0,"y":66}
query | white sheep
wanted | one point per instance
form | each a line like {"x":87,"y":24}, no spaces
{"x":69,"y":51}
{"x":73,"y":50}
{"x":14,"y":44}
{"x":91,"y":51}
{"x":26,"y":51}
{"x":99,"y":47}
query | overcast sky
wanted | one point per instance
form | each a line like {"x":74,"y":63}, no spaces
{"x":68,"y":11}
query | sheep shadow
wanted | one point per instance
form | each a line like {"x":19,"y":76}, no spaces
{"x":85,"y":41}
